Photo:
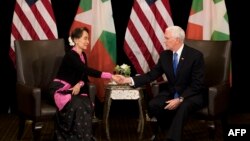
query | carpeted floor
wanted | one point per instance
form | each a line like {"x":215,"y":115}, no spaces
{"x":122,"y":128}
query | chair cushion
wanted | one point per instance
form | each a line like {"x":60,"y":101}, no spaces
{"x":47,"y":109}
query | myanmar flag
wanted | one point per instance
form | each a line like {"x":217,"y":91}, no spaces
{"x":208,"y":20}
{"x":97,"y":16}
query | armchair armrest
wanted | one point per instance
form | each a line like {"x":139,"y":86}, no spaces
{"x":28,"y":100}
{"x":218,"y":99}
{"x":157,"y":86}
{"x":92,"y":92}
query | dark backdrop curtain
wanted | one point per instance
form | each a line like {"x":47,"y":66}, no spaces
{"x":65,"y":10}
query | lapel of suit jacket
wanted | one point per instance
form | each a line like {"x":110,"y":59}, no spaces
{"x":169,"y":64}
{"x":181,"y":61}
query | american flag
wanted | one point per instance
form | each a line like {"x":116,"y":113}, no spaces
{"x":32,"y":20}
{"x":144,"y":39}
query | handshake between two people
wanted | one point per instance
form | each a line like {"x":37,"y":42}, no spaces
{"x":120,"y":79}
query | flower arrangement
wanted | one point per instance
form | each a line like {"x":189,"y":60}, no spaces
{"x":124,"y":69}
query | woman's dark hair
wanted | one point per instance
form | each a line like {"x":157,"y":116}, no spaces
{"x":77,"y":32}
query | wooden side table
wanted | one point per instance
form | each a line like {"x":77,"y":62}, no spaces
{"x":123,"y":92}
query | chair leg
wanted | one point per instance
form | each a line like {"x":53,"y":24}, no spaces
{"x":95,"y":123}
{"x":155,"y":128}
{"x":21,"y":128}
{"x":211,"y":129}
{"x":36,"y":129}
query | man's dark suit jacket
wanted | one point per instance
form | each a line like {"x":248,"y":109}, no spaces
{"x":189,"y":75}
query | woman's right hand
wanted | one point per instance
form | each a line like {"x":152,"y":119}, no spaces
{"x":76,"y":89}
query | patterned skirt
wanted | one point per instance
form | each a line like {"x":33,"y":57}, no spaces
{"x":74,"y":121}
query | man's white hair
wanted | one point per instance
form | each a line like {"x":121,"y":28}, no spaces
{"x":176,"y":32}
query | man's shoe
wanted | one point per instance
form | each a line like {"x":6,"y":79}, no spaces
{"x":155,"y":137}
{"x":93,"y":139}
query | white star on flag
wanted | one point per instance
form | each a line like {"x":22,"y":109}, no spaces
{"x":95,"y":15}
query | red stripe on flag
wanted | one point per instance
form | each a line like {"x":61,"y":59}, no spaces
{"x":142,"y":46}
{"x":133,"y":58}
{"x":148,"y":26}
{"x":167,"y":6}
{"x":12,"y":55}
{"x":25,"y":21}
{"x":16,"y":33}
{"x":159,"y":17}
{"x":154,"y":28}
{"x":42,"y":22}
{"x":47,"y":5}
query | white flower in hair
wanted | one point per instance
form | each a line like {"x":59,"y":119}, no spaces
{"x":71,"y":43}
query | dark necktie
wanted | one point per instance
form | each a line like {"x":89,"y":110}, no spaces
{"x":175,"y":62}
